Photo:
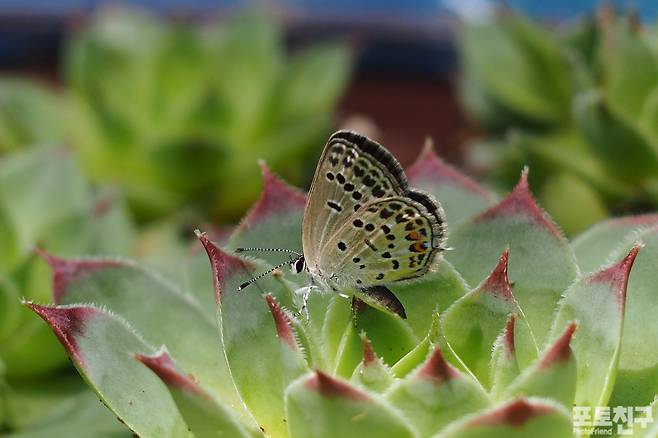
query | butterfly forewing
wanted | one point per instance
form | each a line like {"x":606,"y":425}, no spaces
{"x":352,"y":172}
{"x":388,"y":240}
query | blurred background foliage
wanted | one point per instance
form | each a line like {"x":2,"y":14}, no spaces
{"x":578,"y":104}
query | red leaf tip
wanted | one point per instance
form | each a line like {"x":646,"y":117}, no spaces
{"x":328,"y":386}
{"x":222,"y":264}
{"x":521,"y":203}
{"x":515,"y":414}
{"x":617,"y":275}
{"x":165,"y":368}
{"x":65,"y":271}
{"x":277,"y":196}
{"x":497,"y":283}
{"x":508,"y":337}
{"x":429,"y":166}
{"x":67,"y":323}
{"x":559,"y":351}
{"x":369,"y":356}
{"x":437,"y":369}
{"x":282,"y":323}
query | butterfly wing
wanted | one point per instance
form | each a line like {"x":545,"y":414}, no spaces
{"x":353,"y":171}
{"x":392,"y":239}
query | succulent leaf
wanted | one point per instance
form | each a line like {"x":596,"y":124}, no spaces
{"x":318,"y":406}
{"x":518,"y":418}
{"x":504,"y":367}
{"x":372,"y":373}
{"x":460,"y":196}
{"x":206,"y":416}
{"x":436,"y":394}
{"x":472,"y":323}
{"x":100,"y":343}
{"x":596,"y":302}
{"x":541,"y":263}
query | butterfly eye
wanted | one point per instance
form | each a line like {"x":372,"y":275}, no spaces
{"x":299,"y":265}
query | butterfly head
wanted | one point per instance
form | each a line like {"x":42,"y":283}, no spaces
{"x":298,"y":265}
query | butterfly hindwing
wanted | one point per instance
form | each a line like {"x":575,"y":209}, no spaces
{"x":352,"y":172}
{"x":388,"y":240}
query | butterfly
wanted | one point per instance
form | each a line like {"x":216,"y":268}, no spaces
{"x":364,"y":228}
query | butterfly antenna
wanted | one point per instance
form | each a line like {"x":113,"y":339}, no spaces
{"x":258,"y":277}
{"x":267,"y":250}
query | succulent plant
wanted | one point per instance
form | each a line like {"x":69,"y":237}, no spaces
{"x":45,"y":202}
{"x":577,"y":103}
{"x":177,"y":115}
{"x":515,"y":325}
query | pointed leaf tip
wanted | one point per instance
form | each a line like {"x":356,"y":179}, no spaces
{"x":67,"y":323}
{"x":430,"y":166}
{"x":497,"y":283}
{"x":560,"y":350}
{"x":65,"y":271}
{"x":165,"y":368}
{"x":222,"y":263}
{"x":509,"y":335}
{"x":369,"y":356}
{"x":617,"y":275}
{"x":436,"y":369}
{"x":282,"y":323}
{"x":515,"y":414}
{"x":328,"y":386}
{"x":277,"y":196}
{"x":521,"y":202}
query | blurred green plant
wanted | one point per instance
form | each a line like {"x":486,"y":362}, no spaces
{"x":577,"y":103}
{"x":175,"y":115}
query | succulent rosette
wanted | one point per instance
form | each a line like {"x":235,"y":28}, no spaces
{"x":514,"y":327}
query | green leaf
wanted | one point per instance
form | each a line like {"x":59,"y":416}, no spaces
{"x":101,"y":347}
{"x":436,"y":394}
{"x":460,"y":197}
{"x":275,"y":221}
{"x":538,"y":418}
{"x":596,"y":303}
{"x":504,"y":367}
{"x":646,"y":428}
{"x":158,"y":315}
{"x":631,"y":69}
{"x":372,"y":373}
{"x":472,"y":323}
{"x":319,"y":406}
{"x":553,"y":376}
{"x":206,"y":416}
{"x":259,"y":343}
{"x":541,"y":264}
{"x":594,"y":247}
{"x":637,"y":378}
{"x":604,"y":130}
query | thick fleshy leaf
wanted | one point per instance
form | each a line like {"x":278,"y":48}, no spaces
{"x":504,"y":367}
{"x":473,"y":323}
{"x":648,"y":427}
{"x":637,"y":376}
{"x":372,"y":373}
{"x":631,"y":69}
{"x":436,"y":394}
{"x":553,"y":376}
{"x":157,"y":309}
{"x":319,"y":406}
{"x":415,"y":357}
{"x":537,"y":418}
{"x":460,"y":197}
{"x":257,"y":337}
{"x":336,"y":334}
{"x":596,"y":302}
{"x":274,"y":221}
{"x":595,"y":246}
{"x":206,"y":416}
{"x":101,"y":346}
{"x":541,"y":264}
{"x":605,"y":130}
